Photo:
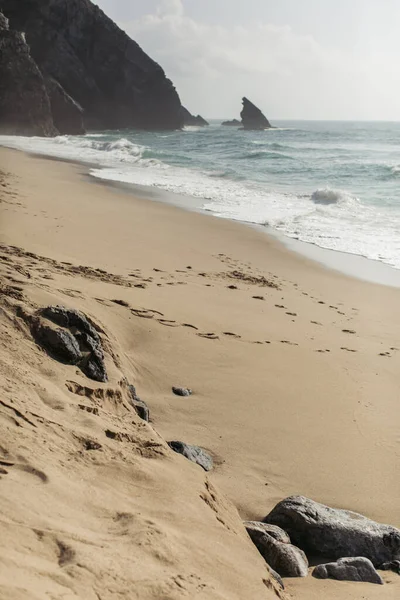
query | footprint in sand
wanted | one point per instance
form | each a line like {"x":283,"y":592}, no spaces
{"x":291,"y":314}
{"x":230,"y":334}
{"x":208,"y":336}
{"x":232,"y":287}
{"x":258,"y":298}
{"x":289,"y":343}
{"x":145,"y":313}
{"x":121,"y":303}
{"x":386,"y":354}
{"x":189,"y":325}
{"x":168,"y":323}
{"x":348,"y":349}
{"x":316,"y":323}
{"x":348,"y":331}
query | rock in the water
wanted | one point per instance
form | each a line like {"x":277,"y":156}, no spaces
{"x":193,"y":453}
{"x":180,"y":391}
{"x":252,"y":117}
{"x":24,"y":102}
{"x":282,"y":557}
{"x":191,"y":120}
{"x":349,"y":569}
{"x":324,"y":531}
{"x":67,"y":114}
{"x":80,"y":342}
{"x":232,"y":123}
{"x":115,"y":82}
{"x":276,"y":532}
{"x":59,"y":343}
{"x":139,"y":405}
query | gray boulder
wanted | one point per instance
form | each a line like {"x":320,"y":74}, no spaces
{"x":193,"y":453}
{"x":276,"y":532}
{"x":324,"y":531}
{"x":139,"y":405}
{"x":349,"y":569}
{"x":180,"y":391}
{"x":281,"y":556}
{"x":59,"y":343}
{"x":391,"y":566}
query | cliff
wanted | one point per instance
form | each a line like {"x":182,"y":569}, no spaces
{"x":24,"y":102}
{"x":252,"y":117}
{"x":96,"y":64}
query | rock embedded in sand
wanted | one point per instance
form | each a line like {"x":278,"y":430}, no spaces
{"x":349,"y":569}
{"x":252,"y":117}
{"x":391,"y":566}
{"x":334,"y":533}
{"x":193,"y":453}
{"x":59,"y":343}
{"x":273,"y":530}
{"x":139,"y":405}
{"x":181,"y":391}
{"x":281,"y":556}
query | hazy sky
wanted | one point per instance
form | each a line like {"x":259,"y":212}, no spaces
{"x":296,"y":59}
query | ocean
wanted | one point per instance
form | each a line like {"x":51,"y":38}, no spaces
{"x":332,"y":184}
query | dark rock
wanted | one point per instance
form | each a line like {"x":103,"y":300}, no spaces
{"x":277,"y":577}
{"x":59,"y":343}
{"x":24,"y":102}
{"x":78,"y":331}
{"x":276,"y":532}
{"x":139,"y":405}
{"x":191,"y":120}
{"x":324,"y":531}
{"x":282,"y":557}
{"x":391,"y":566}
{"x":67,"y":114}
{"x":193,"y":453}
{"x":180,"y":391}
{"x":232,"y":123}
{"x":252,"y":117}
{"x":349,"y":569}
{"x":115,"y":82}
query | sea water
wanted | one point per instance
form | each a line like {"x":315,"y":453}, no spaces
{"x":333,"y":184}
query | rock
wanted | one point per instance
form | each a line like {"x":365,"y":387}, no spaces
{"x":282,"y":557}
{"x":276,"y":532}
{"x":84,"y":347}
{"x":191,"y":120}
{"x":180,"y":391}
{"x":252,"y":117}
{"x":59,"y":343}
{"x":277,"y":577}
{"x":193,"y":453}
{"x":233,"y":123}
{"x":391,"y":566}
{"x":324,"y":531}
{"x":139,"y":405}
{"x":349,"y":569}
{"x":115,"y":82}
{"x":67,"y":114}
{"x":24,"y":102}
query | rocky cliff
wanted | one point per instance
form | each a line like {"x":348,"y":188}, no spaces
{"x":252,"y":117}
{"x":24,"y":102}
{"x":96,"y":64}
{"x":192,"y":120}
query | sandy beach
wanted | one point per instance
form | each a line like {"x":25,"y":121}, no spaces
{"x":295,"y":376}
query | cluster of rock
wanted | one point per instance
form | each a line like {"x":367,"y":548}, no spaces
{"x":252,"y":118}
{"x":73,"y":69}
{"x":299,"y":527}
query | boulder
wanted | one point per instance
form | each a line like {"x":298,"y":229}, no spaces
{"x":75,"y":342}
{"x":391,"y":566}
{"x":191,"y":120}
{"x":139,"y":405}
{"x":276,"y":532}
{"x":67,"y":114}
{"x":232,"y":123}
{"x":180,"y":391}
{"x":252,"y":117}
{"x":334,"y":533}
{"x":349,"y":569}
{"x":281,"y":556}
{"x":24,"y":102}
{"x":193,"y":453}
{"x":96,"y":63}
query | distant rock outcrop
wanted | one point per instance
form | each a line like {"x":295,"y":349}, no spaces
{"x":191,"y":120}
{"x":94,"y":62}
{"x":24,"y":102}
{"x":252,"y":117}
{"x":232,"y":123}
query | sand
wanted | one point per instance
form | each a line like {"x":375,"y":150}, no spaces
{"x":295,"y":373}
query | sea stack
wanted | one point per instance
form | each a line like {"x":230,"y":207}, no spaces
{"x":252,"y":117}
{"x":192,"y":120}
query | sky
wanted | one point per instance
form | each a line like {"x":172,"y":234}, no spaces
{"x":295,"y":59}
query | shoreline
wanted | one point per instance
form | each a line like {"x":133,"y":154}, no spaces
{"x":346,"y":263}
{"x":294,"y":367}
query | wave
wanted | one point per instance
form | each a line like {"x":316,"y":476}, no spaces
{"x":327,"y":196}
{"x":255,"y":154}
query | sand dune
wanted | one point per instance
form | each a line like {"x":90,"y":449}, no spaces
{"x":294,"y":370}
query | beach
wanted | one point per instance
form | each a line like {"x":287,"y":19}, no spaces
{"x":294,"y":370}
